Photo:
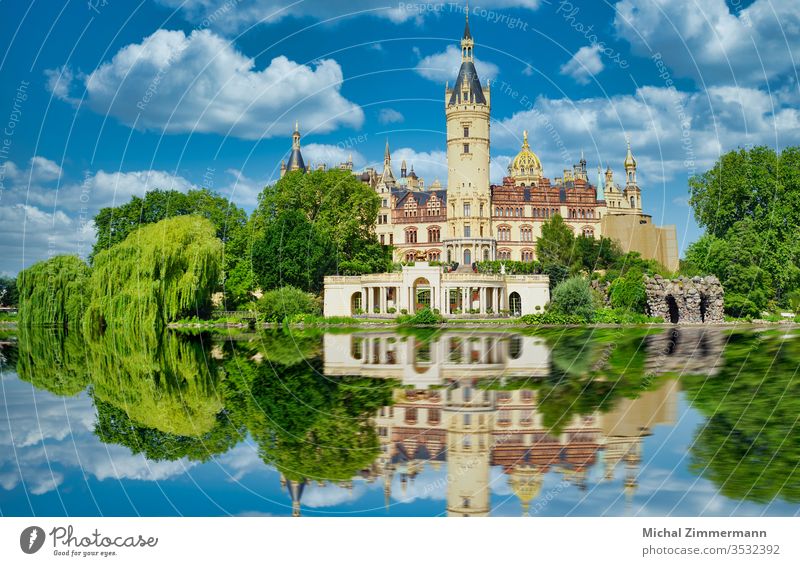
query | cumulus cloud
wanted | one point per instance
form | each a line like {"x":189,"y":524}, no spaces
{"x":713,"y":43}
{"x":236,"y":15}
{"x":584,"y":65}
{"x":674,"y":133}
{"x":331,"y":155}
{"x":175,"y":83}
{"x":430,"y":165}
{"x":390,"y":116}
{"x":44,"y":215}
{"x":444,"y":66}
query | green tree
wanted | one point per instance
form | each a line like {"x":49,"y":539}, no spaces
{"x":287,"y":302}
{"x":555,"y":246}
{"x":573,"y":296}
{"x":114,"y":224}
{"x":339,"y":207}
{"x":595,"y":254}
{"x":53,"y":292}
{"x":293,"y":252}
{"x":749,"y":203}
{"x":8,"y":292}
{"x":160,"y":273}
{"x":628,"y":292}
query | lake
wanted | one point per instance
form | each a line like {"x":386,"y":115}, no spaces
{"x":541,"y":422}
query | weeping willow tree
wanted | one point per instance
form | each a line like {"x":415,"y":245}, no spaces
{"x":160,"y":382}
{"x":53,"y":359}
{"x":158,"y":274}
{"x":53,"y":292}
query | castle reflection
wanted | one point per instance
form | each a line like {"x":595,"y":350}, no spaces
{"x":467,"y":405}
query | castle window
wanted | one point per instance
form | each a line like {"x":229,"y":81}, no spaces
{"x":433,"y":255}
{"x":498,"y":211}
{"x":411,"y":236}
{"x":633,"y":202}
{"x":504,"y":233}
{"x":382,"y":242}
{"x":526,"y":234}
{"x":504,"y":254}
{"x":433,"y":234}
{"x":411,"y":256}
{"x":467,"y":231}
{"x":466,"y":148}
{"x":391,"y":239}
{"x":588,"y":232}
{"x":527,"y":255}
{"x":466,"y":132}
{"x":467,"y":209}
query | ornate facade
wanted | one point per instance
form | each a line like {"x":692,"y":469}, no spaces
{"x":473,"y":220}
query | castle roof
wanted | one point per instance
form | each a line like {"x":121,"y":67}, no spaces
{"x":469,"y":75}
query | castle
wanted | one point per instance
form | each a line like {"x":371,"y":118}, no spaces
{"x":472,"y":220}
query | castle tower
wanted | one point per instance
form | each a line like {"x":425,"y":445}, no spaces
{"x":468,"y":418}
{"x":633,"y":194}
{"x":296,"y":162}
{"x":467,"y":110}
{"x":387,"y":178}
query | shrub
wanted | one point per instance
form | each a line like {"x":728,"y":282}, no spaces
{"x":794,"y":301}
{"x":391,"y":310}
{"x":573,"y":297}
{"x":628,"y":292}
{"x":403,"y":311}
{"x":740,"y":306}
{"x":287,"y":302}
{"x":552,"y":318}
{"x":424,"y":316}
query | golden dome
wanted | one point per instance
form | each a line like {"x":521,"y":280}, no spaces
{"x":629,"y":160}
{"x":526,"y":163}
{"x":526,"y":483}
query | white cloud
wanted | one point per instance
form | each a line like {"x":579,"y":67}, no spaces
{"x":237,"y":15}
{"x":430,"y":165}
{"x":199,"y":83}
{"x":444,"y":66}
{"x":584,"y":65}
{"x":390,"y":116}
{"x":673,"y":133}
{"x":331,"y":155}
{"x":712,"y":44}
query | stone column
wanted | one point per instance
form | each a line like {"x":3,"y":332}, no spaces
{"x":483,"y":295}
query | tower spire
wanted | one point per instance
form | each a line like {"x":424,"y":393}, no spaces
{"x":467,"y":34}
{"x":387,"y":157}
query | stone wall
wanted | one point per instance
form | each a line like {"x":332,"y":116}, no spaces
{"x":685,"y":300}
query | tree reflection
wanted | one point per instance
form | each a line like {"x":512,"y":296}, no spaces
{"x":750,"y":444}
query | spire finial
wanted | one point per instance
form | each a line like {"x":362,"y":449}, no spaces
{"x":525,"y":139}
{"x":467,"y":34}
{"x":386,"y":155}
{"x":296,"y":126}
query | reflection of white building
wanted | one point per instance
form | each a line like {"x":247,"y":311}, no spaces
{"x":428,"y":363}
{"x":425,"y":285}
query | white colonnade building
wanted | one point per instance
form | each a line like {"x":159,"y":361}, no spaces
{"x":423,"y":285}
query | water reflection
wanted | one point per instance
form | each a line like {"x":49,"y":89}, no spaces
{"x":582,"y":421}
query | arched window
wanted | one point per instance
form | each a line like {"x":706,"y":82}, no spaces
{"x":411,"y":235}
{"x":434,"y":234}
{"x":504,"y":233}
{"x":515,"y":304}
{"x":633,"y":202}
{"x":527,"y":255}
{"x":526,"y":234}
{"x":504,"y":254}
{"x":433,"y":255}
{"x":467,"y":257}
{"x":411,"y":256}
{"x":588,"y":232}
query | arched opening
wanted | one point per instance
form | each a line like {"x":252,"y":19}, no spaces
{"x":467,"y":257}
{"x":356,"y":303}
{"x":703,"y":307}
{"x":515,"y":304}
{"x":672,"y":308}
{"x":422,"y":294}
{"x":486,"y":254}
{"x":673,"y":342}
{"x":515,"y":347}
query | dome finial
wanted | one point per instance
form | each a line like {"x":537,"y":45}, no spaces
{"x":525,"y":139}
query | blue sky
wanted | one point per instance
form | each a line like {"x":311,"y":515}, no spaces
{"x":103,"y":100}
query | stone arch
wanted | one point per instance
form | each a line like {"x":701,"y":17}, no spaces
{"x":515,"y":304}
{"x":467,"y":256}
{"x":356,"y":302}
{"x":673,"y":312}
{"x":422,"y":293}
